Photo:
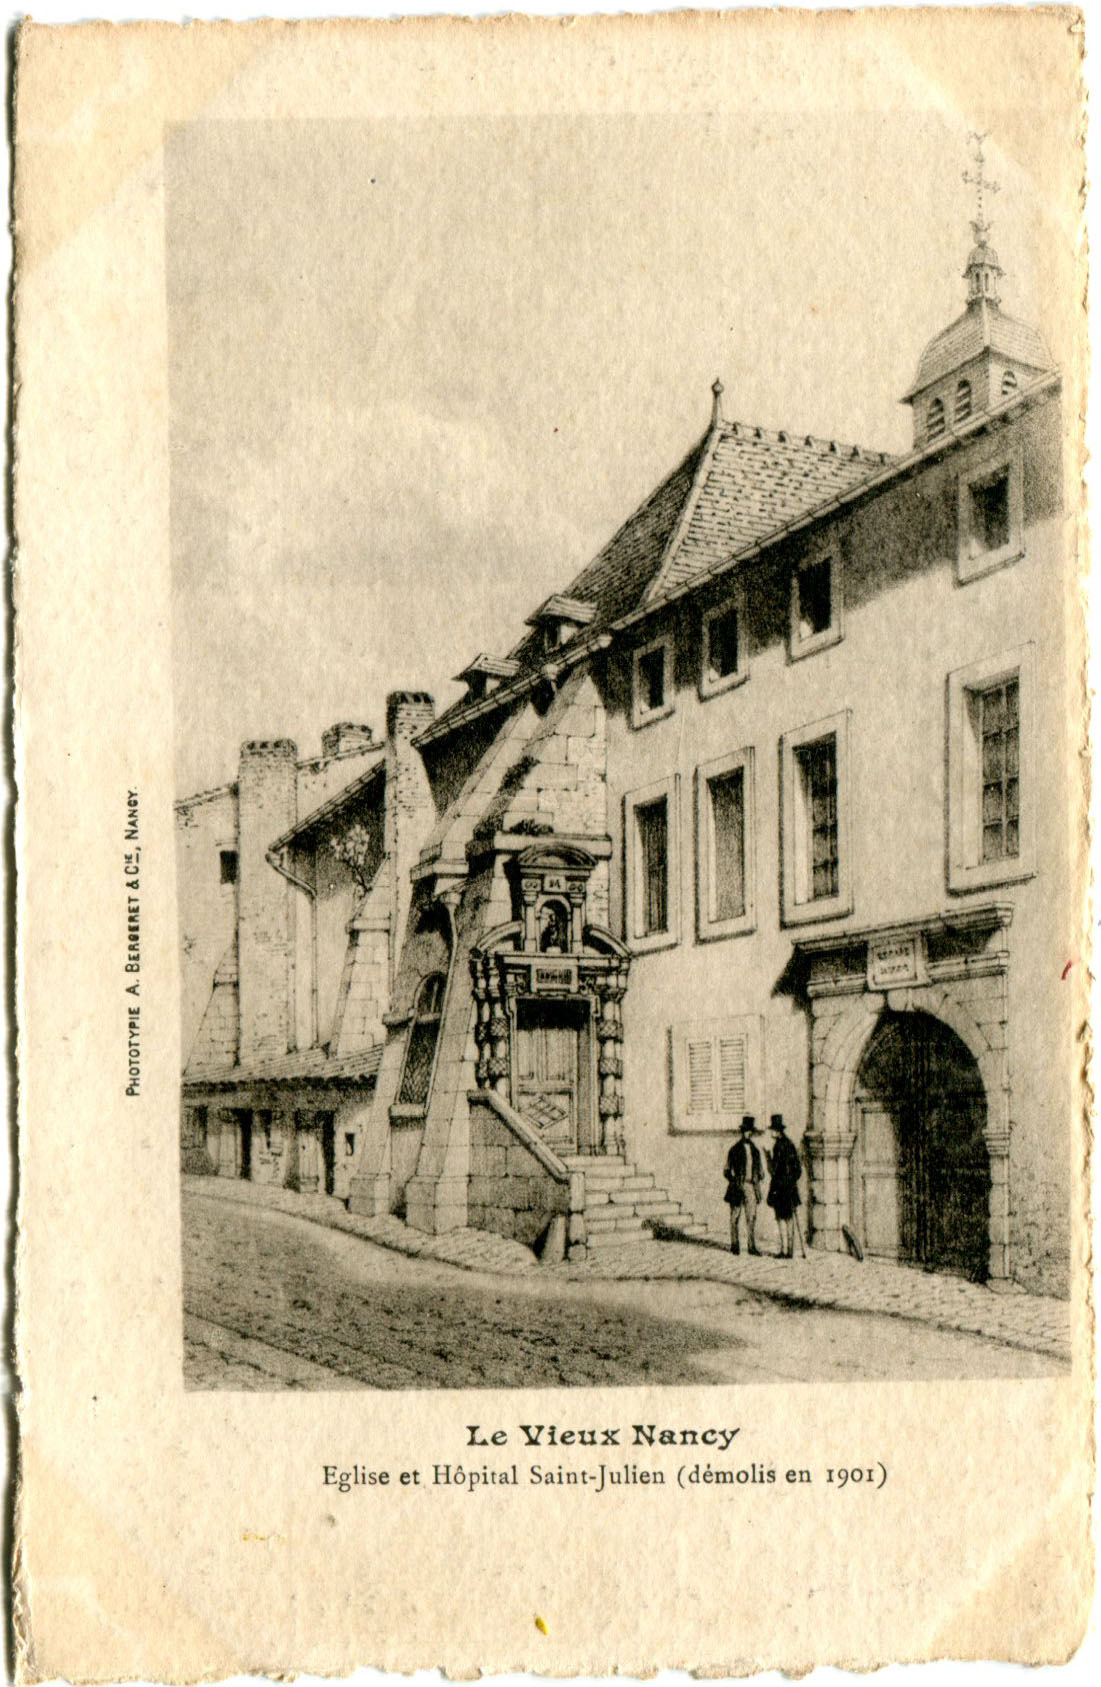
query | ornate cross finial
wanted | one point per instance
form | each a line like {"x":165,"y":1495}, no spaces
{"x":982,"y":185}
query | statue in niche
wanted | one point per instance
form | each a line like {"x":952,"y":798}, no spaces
{"x":554,"y":929}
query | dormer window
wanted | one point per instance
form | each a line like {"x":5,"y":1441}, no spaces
{"x":934,"y":419}
{"x":559,"y":619}
{"x":963,"y":402}
{"x":486,"y":673}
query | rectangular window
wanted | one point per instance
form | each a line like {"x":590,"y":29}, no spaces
{"x":724,"y":652}
{"x":991,"y":814}
{"x":991,"y":516}
{"x":725,"y":846}
{"x":723,"y":644}
{"x":816,"y":868}
{"x":651,"y":871}
{"x":990,"y":512}
{"x":652,"y":685}
{"x":715,"y":1070}
{"x":651,"y":679}
{"x":227,"y":866}
{"x":817,"y":771}
{"x":727,"y":797}
{"x":652,"y":821}
{"x":999,"y":740}
{"x":815,"y":604}
{"x":815,"y":614}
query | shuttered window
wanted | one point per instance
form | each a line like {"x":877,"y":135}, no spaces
{"x":701,"y":1076}
{"x":714,"y":1066}
{"x":717,"y":1073}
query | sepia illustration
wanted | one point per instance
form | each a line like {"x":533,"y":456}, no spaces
{"x":679,"y":995}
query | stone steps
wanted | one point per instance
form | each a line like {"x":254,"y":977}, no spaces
{"x":610,"y":1219}
{"x":617,"y":1238}
{"x":624,"y":1204}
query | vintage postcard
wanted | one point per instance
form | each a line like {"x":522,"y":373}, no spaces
{"x":551,"y":691}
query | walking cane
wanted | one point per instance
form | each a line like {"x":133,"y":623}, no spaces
{"x":799,"y":1233}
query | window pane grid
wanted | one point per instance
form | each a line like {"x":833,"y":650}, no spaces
{"x":999,"y":739}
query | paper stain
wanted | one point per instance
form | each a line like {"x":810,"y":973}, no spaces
{"x":540,"y":1625}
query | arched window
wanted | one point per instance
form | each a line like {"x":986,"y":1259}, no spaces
{"x":1009,"y":383}
{"x":963,"y":401}
{"x":423,"y":1035}
{"x":934,"y":419}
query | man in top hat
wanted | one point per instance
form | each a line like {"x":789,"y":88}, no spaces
{"x":785,"y":1168}
{"x":744,"y":1172}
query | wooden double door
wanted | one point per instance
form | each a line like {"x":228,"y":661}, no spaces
{"x":920,"y":1171}
{"x":552,"y":1082}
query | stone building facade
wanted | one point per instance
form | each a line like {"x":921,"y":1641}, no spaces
{"x":770,"y":811}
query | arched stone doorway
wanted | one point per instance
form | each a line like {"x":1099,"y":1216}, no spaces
{"x":920,"y":1169}
{"x":950,"y":969}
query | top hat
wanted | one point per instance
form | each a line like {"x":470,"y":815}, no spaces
{"x":777,"y":1123}
{"x":749,"y":1123}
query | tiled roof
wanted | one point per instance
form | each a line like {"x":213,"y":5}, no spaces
{"x":829,"y":475}
{"x":616,"y":579}
{"x":981,"y":326}
{"x":751,"y":482}
{"x":314,"y":1065}
{"x":737,"y":484}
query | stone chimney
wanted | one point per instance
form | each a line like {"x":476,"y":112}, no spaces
{"x":409,"y":806}
{"x":344,"y":736}
{"x":267,"y":806}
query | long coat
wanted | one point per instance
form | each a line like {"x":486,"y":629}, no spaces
{"x":786,"y":1168}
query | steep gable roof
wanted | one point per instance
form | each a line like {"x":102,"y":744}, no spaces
{"x":737,"y":484}
{"x":750,"y":482}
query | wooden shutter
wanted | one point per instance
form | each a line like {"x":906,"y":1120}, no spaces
{"x":714,"y":1064}
{"x":733,"y":1060}
{"x":700,"y":1053}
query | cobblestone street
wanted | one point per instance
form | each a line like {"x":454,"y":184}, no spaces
{"x":283,"y":1291}
{"x":1034,"y":1323}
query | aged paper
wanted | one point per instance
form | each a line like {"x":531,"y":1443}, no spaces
{"x":553,"y":862}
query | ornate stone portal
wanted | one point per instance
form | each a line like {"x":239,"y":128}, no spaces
{"x":953,"y":968}
{"x":549,"y":988}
